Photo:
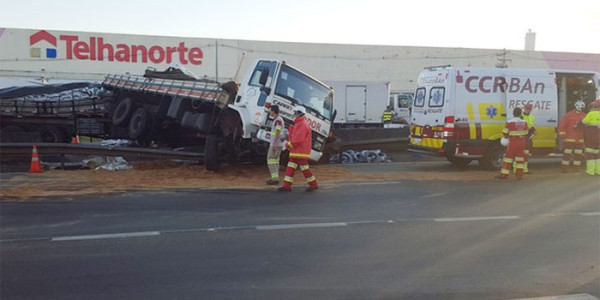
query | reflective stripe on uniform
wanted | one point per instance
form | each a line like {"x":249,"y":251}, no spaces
{"x":299,"y":155}
{"x":518,"y":133}
{"x":288,"y":179}
{"x":578,"y":151}
{"x":570,"y":140}
{"x":568,"y":151}
{"x":304,"y":167}
{"x":565,"y":162}
{"x":272,"y":161}
{"x":508,"y":160}
{"x":577,"y":163}
{"x":504,"y":172}
{"x":292,"y":165}
{"x":519,"y":166}
{"x":310,"y":179}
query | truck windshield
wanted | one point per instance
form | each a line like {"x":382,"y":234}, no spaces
{"x":298,"y":87}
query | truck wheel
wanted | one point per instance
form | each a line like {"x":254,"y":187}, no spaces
{"x":492,"y":159}
{"x":459,"y":162}
{"x":50,"y":134}
{"x":123,"y":111}
{"x":211,"y":157}
{"x":139,"y":124}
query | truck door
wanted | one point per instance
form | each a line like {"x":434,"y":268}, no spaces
{"x":356,"y":103}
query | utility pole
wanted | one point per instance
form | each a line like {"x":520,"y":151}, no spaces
{"x":217,"y":60}
{"x":502,"y":59}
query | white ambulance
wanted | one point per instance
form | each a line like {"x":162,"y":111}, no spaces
{"x":459,"y":112}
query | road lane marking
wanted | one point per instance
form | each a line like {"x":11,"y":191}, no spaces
{"x":434,"y":195}
{"x":476,"y":219}
{"x":299,"y":226}
{"x":564,"y":297}
{"x":104,"y":236}
{"x":590,"y":214}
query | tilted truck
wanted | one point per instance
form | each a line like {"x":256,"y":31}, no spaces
{"x":459,"y":113}
{"x":231,"y":120}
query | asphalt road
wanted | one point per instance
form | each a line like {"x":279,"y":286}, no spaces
{"x":395,"y":240}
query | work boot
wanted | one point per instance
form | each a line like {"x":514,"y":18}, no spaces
{"x":311,"y":189}
{"x":272,"y":182}
{"x":282,"y":189}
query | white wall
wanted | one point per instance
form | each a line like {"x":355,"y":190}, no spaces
{"x":399,"y":65}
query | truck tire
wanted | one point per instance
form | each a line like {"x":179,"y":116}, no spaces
{"x":123,"y":112}
{"x":211,"y":157}
{"x":52,"y":134}
{"x":492,"y":159}
{"x":140,"y":123}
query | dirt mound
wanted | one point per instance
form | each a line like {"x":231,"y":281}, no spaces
{"x":158,"y":175}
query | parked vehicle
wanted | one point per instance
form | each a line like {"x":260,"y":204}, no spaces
{"x":401,"y":104}
{"x":459,"y":113}
{"x":360,"y":104}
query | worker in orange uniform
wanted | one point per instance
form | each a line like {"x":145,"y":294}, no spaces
{"x":591,"y":135}
{"x":514,"y":136}
{"x":299,"y":145}
{"x":572,"y":135}
{"x":528,"y":117}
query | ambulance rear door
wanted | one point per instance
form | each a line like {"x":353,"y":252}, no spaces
{"x":536,"y":87}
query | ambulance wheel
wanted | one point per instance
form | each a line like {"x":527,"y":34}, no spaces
{"x":492,"y":159}
{"x":459,"y":162}
{"x":211,"y":157}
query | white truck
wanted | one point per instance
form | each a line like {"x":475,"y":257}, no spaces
{"x":230,"y":120}
{"x":360,"y":104}
{"x":459,"y":112}
{"x":401,"y":103}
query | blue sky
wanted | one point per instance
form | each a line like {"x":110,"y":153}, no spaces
{"x":572,"y":26}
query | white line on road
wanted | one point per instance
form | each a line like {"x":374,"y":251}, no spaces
{"x":476,"y":219}
{"x":296,"y":226}
{"x":105,"y":236}
{"x":564,"y":297}
{"x":590,"y":214}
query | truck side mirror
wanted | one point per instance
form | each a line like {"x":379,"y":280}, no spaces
{"x":333,"y":115}
{"x":264,"y":75}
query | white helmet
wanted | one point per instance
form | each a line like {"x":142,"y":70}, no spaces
{"x":299,"y":110}
{"x":579,"y":105}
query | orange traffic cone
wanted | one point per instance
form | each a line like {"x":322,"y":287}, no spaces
{"x":75,"y":140}
{"x":36,"y":165}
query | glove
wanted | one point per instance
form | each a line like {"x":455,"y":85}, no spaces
{"x":504,"y":142}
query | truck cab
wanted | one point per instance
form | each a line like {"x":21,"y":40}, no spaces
{"x":401,"y":104}
{"x":274,"y":82}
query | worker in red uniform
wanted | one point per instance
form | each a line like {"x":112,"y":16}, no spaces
{"x":514,"y":136}
{"x":528,"y":117}
{"x":572,"y":135}
{"x":591,"y":135}
{"x":299,"y":145}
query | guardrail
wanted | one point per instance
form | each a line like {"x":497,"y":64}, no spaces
{"x":90,"y":149}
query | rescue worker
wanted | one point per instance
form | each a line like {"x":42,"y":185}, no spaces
{"x":572,"y":135}
{"x":388,"y":115}
{"x":299,"y":145}
{"x":591,"y":135}
{"x":528,"y":117}
{"x":514,"y":136}
{"x":275,"y":145}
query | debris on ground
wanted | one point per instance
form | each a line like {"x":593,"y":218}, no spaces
{"x":364,"y":156}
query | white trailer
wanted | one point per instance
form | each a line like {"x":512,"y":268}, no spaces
{"x":359,"y":104}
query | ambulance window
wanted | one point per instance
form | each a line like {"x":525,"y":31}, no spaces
{"x":436,"y":97}
{"x":420,"y":97}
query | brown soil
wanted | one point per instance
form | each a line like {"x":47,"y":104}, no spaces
{"x":166,"y":175}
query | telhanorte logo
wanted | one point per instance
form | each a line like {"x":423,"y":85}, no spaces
{"x":38,"y":37}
